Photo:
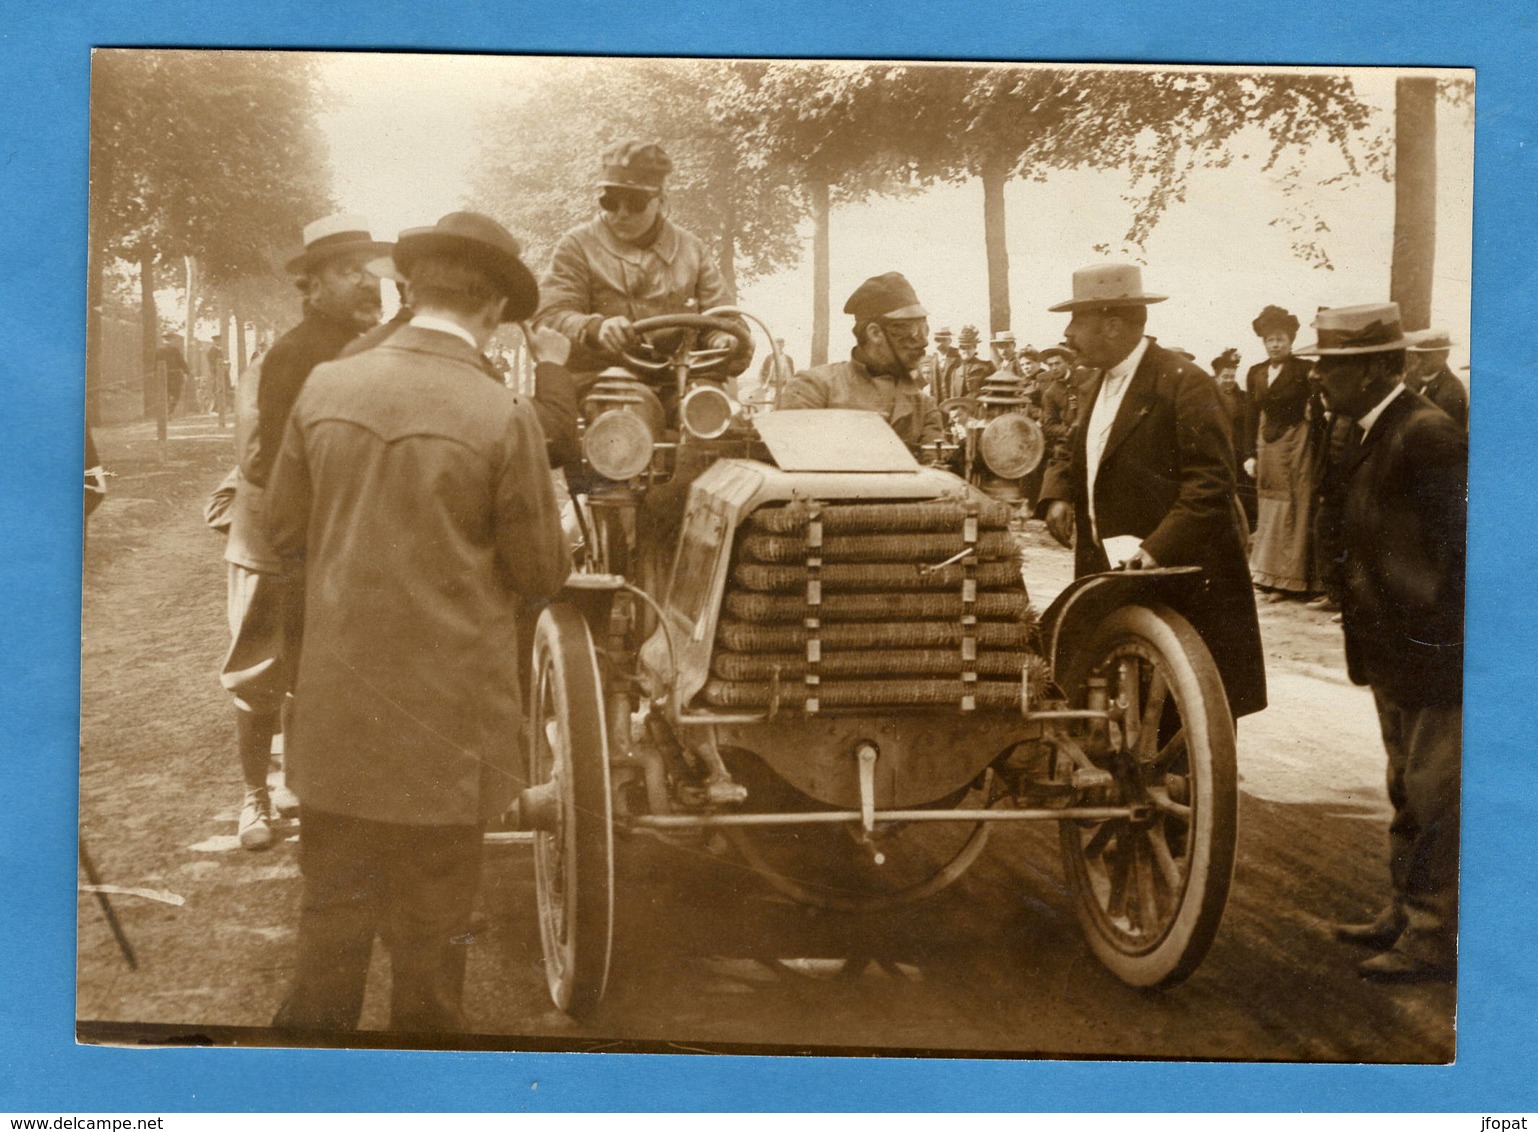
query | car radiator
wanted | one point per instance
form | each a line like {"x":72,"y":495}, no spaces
{"x":876,"y":605}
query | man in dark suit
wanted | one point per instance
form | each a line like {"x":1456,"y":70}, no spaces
{"x":1426,"y":373}
{"x":1402,"y":524}
{"x":1147,"y":476}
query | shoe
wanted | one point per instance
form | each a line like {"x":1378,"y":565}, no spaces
{"x":1379,"y":934}
{"x":1320,"y":601}
{"x":1273,"y":597}
{"x":285,"y":803}
{"x":1397,"y":966}
{"x":256,"y":820}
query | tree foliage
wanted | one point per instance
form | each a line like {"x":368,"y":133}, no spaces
{"x":541,"y":153}
{"x":212,"y":154}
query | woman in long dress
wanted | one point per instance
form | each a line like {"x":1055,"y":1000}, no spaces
{"x":1286,"y":428}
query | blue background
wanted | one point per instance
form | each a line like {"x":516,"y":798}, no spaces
{"x":44,"y":69}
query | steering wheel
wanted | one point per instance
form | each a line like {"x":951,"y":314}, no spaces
{"x":686,"y":356}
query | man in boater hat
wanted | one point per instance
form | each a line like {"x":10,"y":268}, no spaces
{"x":1147,"y":475}
{"x":418,"y":495}
{"x":341,"y":301}
{"x":1401,"y":531}
{"x":891,"y":330}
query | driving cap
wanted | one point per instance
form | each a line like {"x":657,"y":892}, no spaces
{"x":884,"y":296}
{"x":480,"y":240}
{"x":635,"y":165}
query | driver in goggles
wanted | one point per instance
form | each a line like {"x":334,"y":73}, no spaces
{"x":630,"y":262}
{"x":891,"y":334}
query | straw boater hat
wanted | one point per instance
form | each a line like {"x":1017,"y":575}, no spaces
{"x":483,"y":242}
{"x":1105,"y":286}
{"x":333,"y":236}
{"x":969,"y":336}
{"x":1429,"y":341}
{"x":1371,"y":328}
{"x":1064,"y":352}
{"x":1003,"y":336}
{"x":1275,"y":318}
{"x":944,"y":332}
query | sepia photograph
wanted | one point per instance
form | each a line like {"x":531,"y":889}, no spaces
{"x":776,"y":556}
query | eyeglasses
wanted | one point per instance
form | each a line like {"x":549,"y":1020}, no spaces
{"x":351,"y":271}
{"x":625,"y":200}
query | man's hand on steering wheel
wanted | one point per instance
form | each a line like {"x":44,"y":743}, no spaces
{"x":617,"y":334}
{"x":719,"y":340}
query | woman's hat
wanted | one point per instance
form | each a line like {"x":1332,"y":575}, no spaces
{"x":331,"y":236}
{"x":1107,"y":285}
{"x":1275,"y":318}
{"x":1371,"y":328}
{"x":480,"y":240}
{"x":1228,"y":359}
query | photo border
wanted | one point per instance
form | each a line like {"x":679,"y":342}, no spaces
{"x":43,"y":138}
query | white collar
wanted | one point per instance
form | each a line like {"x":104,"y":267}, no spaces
{"x":447,"y":326}
{"x":1128,"y":365}
{"x":1370,"y":418}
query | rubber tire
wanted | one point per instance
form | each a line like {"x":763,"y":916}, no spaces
{"x":573,"y":867}
{"x":1197,"y":689}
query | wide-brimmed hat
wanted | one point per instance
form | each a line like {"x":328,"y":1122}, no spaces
{"x":1064,"y":352}
{"x":1004,"y":336}
{"x":969,"y":336}
{"x":1369,"y":328}
{"x":885,"y":296}
{"x":1106,"y":286}
{"x":331,"y":236}
{"x":480,"y":240}
{"x":1275,"y":318}
{"x":635,"y":165}
{"x":1429,"y":341}
{"x":944,"y":332}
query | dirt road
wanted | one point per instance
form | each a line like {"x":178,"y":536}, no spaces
{"x":706,"y":954}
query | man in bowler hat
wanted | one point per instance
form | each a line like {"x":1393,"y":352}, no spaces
{"x":1401,"y":532}
{"x":417,"y":493}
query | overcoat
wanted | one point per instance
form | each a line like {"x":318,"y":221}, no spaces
{"x":902,"y":403}
{"x":1402,"y":554}
{"x":419,"y":496}
{"x":1446,"y":392}
{"x":594,"y":276}
{"x":1167,"y":477}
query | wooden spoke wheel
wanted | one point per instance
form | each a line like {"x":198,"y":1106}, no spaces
{"x":1150,"y":890}
{"x":574,"y":848}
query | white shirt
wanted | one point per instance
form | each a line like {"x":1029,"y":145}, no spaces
{"x":1370,"y":418}
{"x":1113,"y":387}
{"x":447,"y":325}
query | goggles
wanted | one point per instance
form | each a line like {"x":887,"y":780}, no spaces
{"x":908,"y":331}
{"x":625,"y":200}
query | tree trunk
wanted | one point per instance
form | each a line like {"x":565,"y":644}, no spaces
{"x":820,"y":308}
{"x":994,"y":177}
{"x":189,"y":335}
{"x":149,"y":331}
{"x":95,"y":291}
{"x":726,"y":251}
{"x":1415,"y":200}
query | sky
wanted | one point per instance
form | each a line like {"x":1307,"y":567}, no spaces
{"x":403,"y":138}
